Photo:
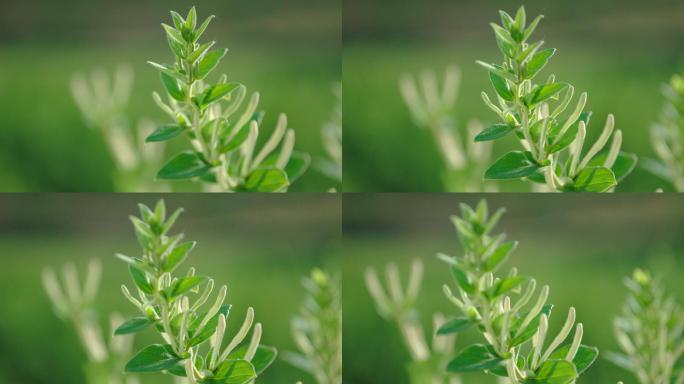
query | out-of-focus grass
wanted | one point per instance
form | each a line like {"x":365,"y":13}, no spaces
{"x":46,"y":147}
{"x":384,"y":151}
{"x":582,"y":249}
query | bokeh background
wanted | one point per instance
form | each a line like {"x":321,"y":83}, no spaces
{"x":289,"y":51}
{"x":581,"y":246}
{"x":620,"y":51}
{"x":260,"y":247}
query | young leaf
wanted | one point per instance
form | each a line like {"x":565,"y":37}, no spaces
{"x":475,"y":358}
{"x":583,"y":359}
{"x":530,"y":329}
{"x":554,"y":372}
{"x":184,"y":166}
{"x":593,"y":179}
{"x":512,"y":165}
{"x":172,"y":87}
{"x":141,"y":280}
{"x":297,"y":165}
{"x":506,"y":284}
{"x":455,"y":325}
{"x":184,"y":284}
{"x":133,"y":325}
{"x":208,"y":329}
{"x":501,"y":86}
{"x":538,"y":62}
{"x":218,"y":91}
{"x":494,"y":132}
{"x":153,"y":358}
{"x":209,"y":62}
{"x":266,"y":180}
{"x":462,"y":279}
{"x":165,"y":132}
{"x":233,"y":372}
{"x":499,"y":255}
{"x":543,"y":92}
{"x":263,"y":357}
{"x":236,"y":141}
{"x":177,"y":255}
{"x":623,"y":166}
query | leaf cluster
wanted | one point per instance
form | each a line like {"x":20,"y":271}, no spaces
{"x":650,"y":332}
{"x":317,"y":329}
{"x":222,"y":130}
{"x":174,"y":306}
{"x":667,"y":136}
{"x":508,"y":311}
{"x":534,"y":110}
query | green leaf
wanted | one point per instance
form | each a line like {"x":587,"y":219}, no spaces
{"x":538,"y":62}
{"x":462,"y":279}
{"x":584,"y":358}
{"x":209,"y":62}
{"x":191,"y":19}
{"x":543,"y":92}
{"x":266,"y":180}
{"x":531,"y":328}
{"x":297,"y":165}
{"x":593,"y":179}
{"x":236,"y":141}
{"x":203,"y":27}
{"x":498,"y":70}
{"x":494,"y":132}
{"x":165,"y":132}
{"x":475,"y":358}
{"x":172,"y":87}
{"x":623,"y":166}
{"x":183,"y":285}
{"x":499,"y":255}
{"x":140,"y":279}
{"x":565,"y":140}
{"x":192,"y":57}
{"x":133,"y":325}
{"x":233,"y":372}
{"x":554,"y":372}
{"x":178,"y":255}
{"x":185,"y":165}
{"x":208,"y":329}
{"x":459,"y":324}
{"x":533,"y":25}
{"x":178,"y":20}
{"x":505,"y":285}
{"x":263,"y":357}
{"x":512,"y":165}
{"x":501,"y":86}
{"x":154,"y":358}
{"x":218,"y":91}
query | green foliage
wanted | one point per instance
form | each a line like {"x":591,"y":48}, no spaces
{"x":317,"y":330}
{"x":332,"y":141}
{"x":222,"y":131}
{"x":666,"y":136}
{"x":173,"y":305}
{"x":506,"y":311}
{"x":552,"y":140}
{"x":433,"y":110}
{"x":650,"y":332}
{"x":75,"y":303}
{"x":429,"y":361}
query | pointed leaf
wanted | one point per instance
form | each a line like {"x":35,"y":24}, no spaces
{"x":133,"y":325}
{"x":153,"y":358}
{"x":185,"y":165}
{"x":165,"y":132}
{"x":512,"y":165}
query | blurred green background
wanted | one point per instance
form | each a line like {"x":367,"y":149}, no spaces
{"x":259,"y":246}
{"x":619,"y":51}
{"x":580,"y":245}
{"x":288,"y":51}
